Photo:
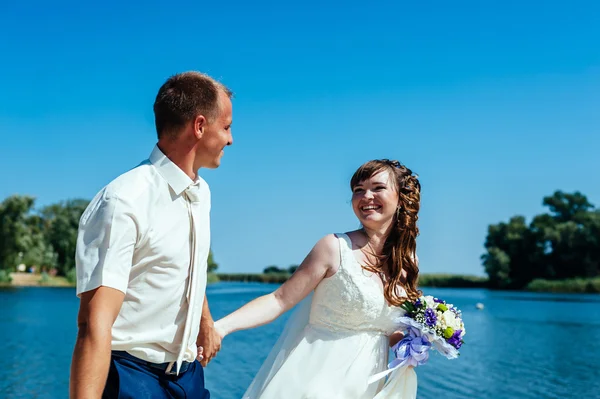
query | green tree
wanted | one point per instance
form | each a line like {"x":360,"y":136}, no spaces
{"x":568,"y":207}
{"x":212,"y":265}
{"x":272,"y":269}
{"x":511,"y":248}
{"x":61,"y":222}
{"x":39,"y":251}
{"x":568,"y":236}
{"x":561,"y":244}
{"x":15,"y":230}
{"x":497,"y":266}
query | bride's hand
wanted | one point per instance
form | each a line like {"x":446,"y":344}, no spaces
{"x":396,"y":337}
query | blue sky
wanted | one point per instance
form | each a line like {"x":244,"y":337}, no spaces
{"x":494,"y":104}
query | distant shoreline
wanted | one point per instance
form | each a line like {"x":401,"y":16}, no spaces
{"x":40,"y":280}
{"x":36,"y":280}
{"x":578,"y":285}
{"x":425,"y":280}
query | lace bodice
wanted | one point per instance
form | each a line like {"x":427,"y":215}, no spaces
{"x":351,"y":300}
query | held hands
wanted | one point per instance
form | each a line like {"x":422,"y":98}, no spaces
{"x":208,"y":342}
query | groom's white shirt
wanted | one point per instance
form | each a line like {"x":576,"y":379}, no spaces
{"x":135,"y":237}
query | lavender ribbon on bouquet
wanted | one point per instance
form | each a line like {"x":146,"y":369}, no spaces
{"x":412,"y":350}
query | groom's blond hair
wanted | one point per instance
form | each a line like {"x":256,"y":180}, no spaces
{"x":183,"y":97}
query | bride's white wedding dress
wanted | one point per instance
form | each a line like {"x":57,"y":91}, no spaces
{"x":335,"y":341}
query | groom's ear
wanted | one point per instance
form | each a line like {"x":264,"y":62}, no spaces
{"x":199,"y":126}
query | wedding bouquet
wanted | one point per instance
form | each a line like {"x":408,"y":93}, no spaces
{"x":429,"y":323}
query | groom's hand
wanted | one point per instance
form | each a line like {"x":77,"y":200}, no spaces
{"x":208,"y":343}
{"x":208,"y":340}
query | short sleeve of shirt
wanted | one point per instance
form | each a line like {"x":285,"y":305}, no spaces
{"x":106,"y":240}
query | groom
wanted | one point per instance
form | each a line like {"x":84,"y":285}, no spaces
{"x":141,"y":257}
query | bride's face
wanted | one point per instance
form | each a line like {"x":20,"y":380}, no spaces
{"x":375,"y":201}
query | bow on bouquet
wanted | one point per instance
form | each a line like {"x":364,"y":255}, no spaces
{"x":429,"y":323}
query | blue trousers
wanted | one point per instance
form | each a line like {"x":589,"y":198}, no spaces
{"x":131,"y":378}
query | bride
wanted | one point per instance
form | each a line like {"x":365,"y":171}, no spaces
{"x":340,"y":335}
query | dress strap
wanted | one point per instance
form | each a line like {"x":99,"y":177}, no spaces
{"x":344,"y":237}
{"x":345,"y":249}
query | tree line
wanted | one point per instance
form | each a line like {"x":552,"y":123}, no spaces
{"x":561,"y":244}
{"x":43,"y":238}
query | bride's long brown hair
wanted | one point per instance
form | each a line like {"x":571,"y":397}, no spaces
{"x":399,"y":250}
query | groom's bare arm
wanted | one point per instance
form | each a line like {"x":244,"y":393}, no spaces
{"x":98,"y":310}
{"x":321,"y":262}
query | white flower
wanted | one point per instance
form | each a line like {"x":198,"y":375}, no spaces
{"x":449,"y":320}
{"x":458,"y":324}
{"x":430,"y":301}
{"x":442,"y":323}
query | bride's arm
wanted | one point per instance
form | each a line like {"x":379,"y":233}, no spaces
{"x":322,"y":261}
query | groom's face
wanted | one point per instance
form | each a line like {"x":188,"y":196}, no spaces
{"x":216,"y":136}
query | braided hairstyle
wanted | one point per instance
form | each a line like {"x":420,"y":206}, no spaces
{"x":399,"y":250}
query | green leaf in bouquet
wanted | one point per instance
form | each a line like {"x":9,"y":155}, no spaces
{"x":408,"y":306}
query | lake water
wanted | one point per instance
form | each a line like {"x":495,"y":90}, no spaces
{"x":522,"y":345}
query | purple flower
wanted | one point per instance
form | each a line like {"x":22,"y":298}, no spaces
{"x":430,"y":317}
{"x":437,"y":300}
{"x":418,"y":303}
{"x":455,"y":340}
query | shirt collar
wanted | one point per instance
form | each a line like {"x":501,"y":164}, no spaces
{"x":175,"y":177}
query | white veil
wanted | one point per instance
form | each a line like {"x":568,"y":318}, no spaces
{"x":288,"y":340}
